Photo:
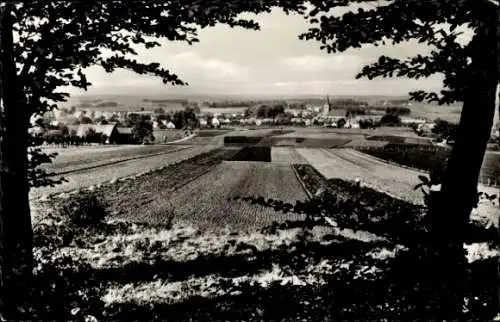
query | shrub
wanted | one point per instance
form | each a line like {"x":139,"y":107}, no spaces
{"x":85,"y":210}
{"x":390,"y":120}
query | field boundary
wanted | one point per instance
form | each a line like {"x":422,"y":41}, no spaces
{"x":302,"y":184}
{"x":181,"y":140}
{"x":392,"y":162}
{"x":52,"y":174}
{"x":329,"y":221}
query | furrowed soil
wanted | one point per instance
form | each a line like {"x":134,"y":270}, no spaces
{"x":99,"y":175}
{"x":146,"y":199}
{"x":216,"y":200}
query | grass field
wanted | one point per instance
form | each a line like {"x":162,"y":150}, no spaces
{"x":286,"y":155}
{"x":346,"y":164}
{"x":448,"y":113}
{"x":429,"y":158}
{"x":74,"y":159}
{"x":164,"y":136}
{"x":100,"y":175}
{"x":224,"y":110}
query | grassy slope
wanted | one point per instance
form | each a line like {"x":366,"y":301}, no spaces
{"x":141,"y":272}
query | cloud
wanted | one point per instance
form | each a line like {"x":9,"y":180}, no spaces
{"x":345,"y":87}
{"x":271,"y":61}
{"x":192,"y":63}
{"x":321,"y":63}
{"x":190,"y":66}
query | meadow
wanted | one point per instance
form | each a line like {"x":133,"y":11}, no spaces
{"x":429,"y":158}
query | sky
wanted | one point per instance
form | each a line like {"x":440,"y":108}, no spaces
{"x":272,"y":61}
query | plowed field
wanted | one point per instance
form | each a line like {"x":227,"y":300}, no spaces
{"x":209,"y":201}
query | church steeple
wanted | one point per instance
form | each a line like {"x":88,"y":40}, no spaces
{"x":327,"y":106}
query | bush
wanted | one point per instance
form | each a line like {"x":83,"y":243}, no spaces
{"x":390,"y":120}
{"x":85,"y":210}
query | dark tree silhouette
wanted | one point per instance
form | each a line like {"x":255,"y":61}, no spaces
{"x":56,"y":42}
{"x":471,"y":75}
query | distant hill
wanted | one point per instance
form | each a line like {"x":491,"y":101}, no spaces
{"x":149,"y":102}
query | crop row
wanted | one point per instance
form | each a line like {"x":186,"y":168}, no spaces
{"x":110,"y":173}
{"x":230,"y":199}
{"x":137,"y":199}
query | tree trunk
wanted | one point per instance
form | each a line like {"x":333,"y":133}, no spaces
{"x":449,"y":218}
{"x":17,"y":230}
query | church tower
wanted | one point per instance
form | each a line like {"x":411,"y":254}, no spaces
{"x":327,"y":106}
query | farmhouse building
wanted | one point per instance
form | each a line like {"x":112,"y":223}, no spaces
{"x":124,"y":135}
{"x":107,"y":130}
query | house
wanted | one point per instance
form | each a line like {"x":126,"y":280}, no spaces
{"x":109,"y":131}
{"x":171,"y":125}
{"x":203,"y":122}
{"x":215,"y":122}
{"x":124,"y":135}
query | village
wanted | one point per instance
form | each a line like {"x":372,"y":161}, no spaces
{"x":155,"y":123}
